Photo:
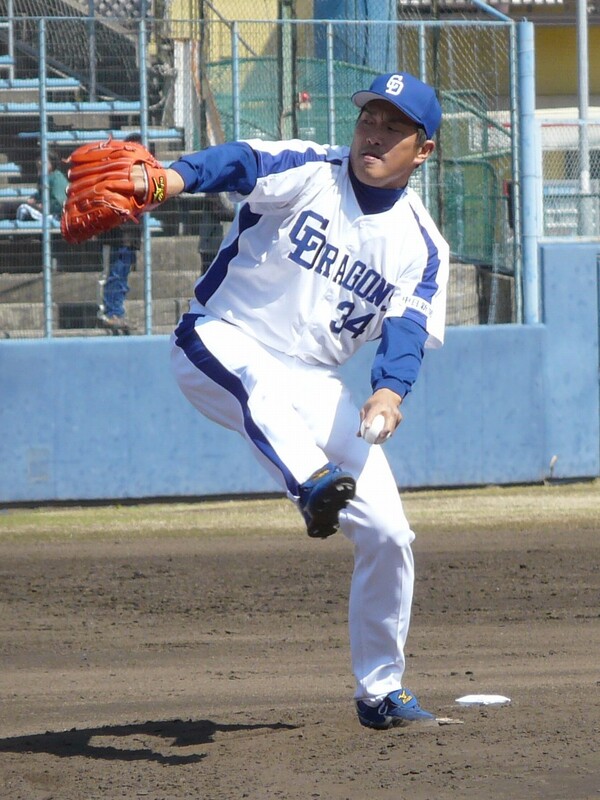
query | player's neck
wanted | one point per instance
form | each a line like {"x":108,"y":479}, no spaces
{"x":372,"y":199}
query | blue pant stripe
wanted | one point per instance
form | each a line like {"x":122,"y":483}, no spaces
{"x":201,"y":357}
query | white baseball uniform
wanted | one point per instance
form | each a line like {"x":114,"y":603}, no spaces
{"x":311,"y":267}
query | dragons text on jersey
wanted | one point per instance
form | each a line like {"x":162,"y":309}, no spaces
{"x":313,"y":251}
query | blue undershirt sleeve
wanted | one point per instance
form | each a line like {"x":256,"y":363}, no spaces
{"x":230,"y":167}
{"x":399,"y":355}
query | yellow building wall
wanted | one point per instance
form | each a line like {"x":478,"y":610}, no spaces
{"x":556,"y":60}
{"x":254,"y":38}
{"x":188,"y":11}
{"x":260,"y":9}
{"x":246,"y":9}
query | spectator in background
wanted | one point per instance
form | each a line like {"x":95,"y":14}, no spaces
{"x":124,"y":244}
{"x":32,"y":208}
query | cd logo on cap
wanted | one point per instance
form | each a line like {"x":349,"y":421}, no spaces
{"x":394,"y":85}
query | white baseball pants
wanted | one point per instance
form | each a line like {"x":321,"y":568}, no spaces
{"x":295,"y":418}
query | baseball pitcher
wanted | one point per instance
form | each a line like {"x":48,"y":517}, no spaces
{"x":330,"y":249}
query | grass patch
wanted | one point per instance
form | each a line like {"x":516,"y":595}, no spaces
{"x":493,"y":508}
{"x":148,"y":520}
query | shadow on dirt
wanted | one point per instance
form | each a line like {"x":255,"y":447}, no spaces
{"x":132,"y":742}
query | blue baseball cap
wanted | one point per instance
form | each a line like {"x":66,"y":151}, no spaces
{"x":416,"y":99}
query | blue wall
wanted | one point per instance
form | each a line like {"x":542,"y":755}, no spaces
{"x":102,"y":418}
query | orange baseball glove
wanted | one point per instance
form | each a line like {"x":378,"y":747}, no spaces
{"x":100,"y":195}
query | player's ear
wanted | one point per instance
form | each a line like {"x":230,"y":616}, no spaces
{"x":425,"y":150}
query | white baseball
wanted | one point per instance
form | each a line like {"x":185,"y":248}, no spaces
{"x":370,"y":433}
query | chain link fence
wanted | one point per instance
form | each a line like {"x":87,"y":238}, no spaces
{"x":571,"y":187}
{"x":185,"y":83}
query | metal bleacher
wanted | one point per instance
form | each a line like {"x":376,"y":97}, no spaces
{"x":20,"y":192}
{"x":16,"y":226}
{"x":81,"y":136}
{"x":10,"y":169}
{"x":71,"y":107}
{"x":74,"y":115}
{"x":33,"y":84}
{"x":26,"y":226}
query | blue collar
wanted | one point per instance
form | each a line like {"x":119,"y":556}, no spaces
{"x":371,"y":199}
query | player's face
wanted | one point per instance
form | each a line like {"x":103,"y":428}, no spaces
{"x":385,"y":149}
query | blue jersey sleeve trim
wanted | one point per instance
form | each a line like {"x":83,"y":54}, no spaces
{"x":274,"y":163}
{"x":417,"y":316}
{"x":399,"y":356}
{"x":230,"y":167}
{"x":428,"y":285}
{"x":217,"y":272}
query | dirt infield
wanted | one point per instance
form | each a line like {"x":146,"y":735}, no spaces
{"x":200,"y":651}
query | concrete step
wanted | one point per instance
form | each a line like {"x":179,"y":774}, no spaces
{"x":176,"y":252}
{"x":21,"y":319}
{"x":85,"y":287}
{"x":22,"y":254}
{"x":26,"y":320}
